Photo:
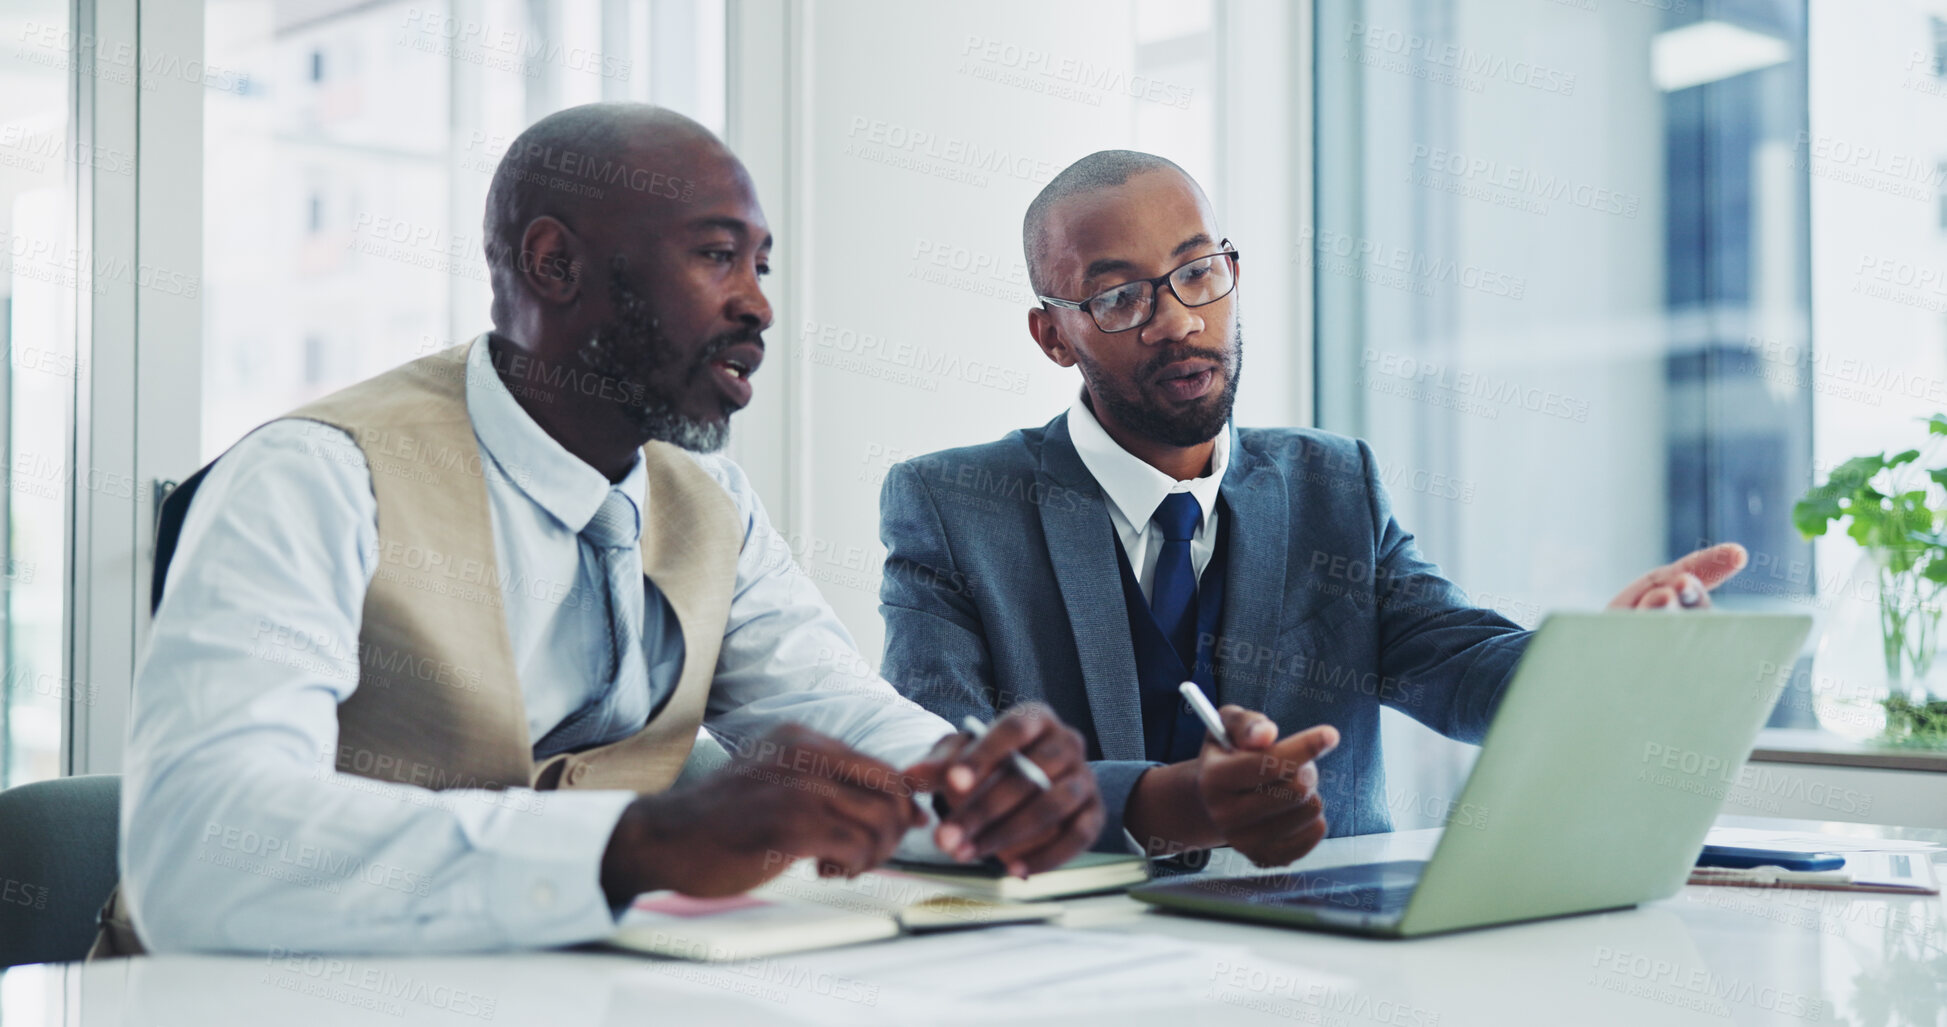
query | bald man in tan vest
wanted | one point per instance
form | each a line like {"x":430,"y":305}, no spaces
{"x":430,"y":654}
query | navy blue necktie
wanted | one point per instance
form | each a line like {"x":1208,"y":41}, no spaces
{"x":1173,"y":592}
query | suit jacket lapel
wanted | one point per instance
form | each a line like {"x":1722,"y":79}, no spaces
{"x":1080,"y":538}
{"x":1258,"y":522}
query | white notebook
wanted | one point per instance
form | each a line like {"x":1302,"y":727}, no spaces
{"x":800,"y":912}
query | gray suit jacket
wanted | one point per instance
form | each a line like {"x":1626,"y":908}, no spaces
{"x":1001,"y":586}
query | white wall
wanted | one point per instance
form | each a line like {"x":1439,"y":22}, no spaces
{"x":917,"y":135}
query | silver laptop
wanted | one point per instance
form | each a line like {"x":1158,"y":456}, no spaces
{"x":1613,"y":747}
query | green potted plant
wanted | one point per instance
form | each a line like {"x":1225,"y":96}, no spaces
{"x":1894,"y":515}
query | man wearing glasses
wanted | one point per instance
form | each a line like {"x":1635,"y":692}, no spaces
{"x":1139,"y":541}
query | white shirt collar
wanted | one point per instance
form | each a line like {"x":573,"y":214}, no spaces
{"x":558,"y":481}
{"x":1133,"y":487}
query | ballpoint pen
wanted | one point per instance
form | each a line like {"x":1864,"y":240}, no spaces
{"x":1022,"y":765}
{"x":1206,"y":713}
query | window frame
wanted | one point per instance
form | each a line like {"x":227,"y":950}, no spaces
{"x":138,"y":393}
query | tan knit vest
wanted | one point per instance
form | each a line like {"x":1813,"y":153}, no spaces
{"x":438,"y":702}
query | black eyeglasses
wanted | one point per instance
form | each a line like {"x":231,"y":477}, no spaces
{"x":1130,"y":305}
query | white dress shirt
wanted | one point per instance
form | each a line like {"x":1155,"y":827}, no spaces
{"x":239,"y":833}
{"x":1135,"y":489}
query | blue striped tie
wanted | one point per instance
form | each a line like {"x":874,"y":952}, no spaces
{"x":615,"y":534}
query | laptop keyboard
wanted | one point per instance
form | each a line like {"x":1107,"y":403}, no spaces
{"x":1359,"y":899}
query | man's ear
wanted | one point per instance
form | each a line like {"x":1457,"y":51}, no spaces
{"x":1047,"y":335}
{"x":551,"y":261}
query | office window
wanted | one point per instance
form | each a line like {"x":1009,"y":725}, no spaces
{"x":1878,"y":357}
{"x":1549,"y":240}
{"x":1940,"y":188}
{"x":314,"y":360}
{"x":38,"y":273}
{"x":391,"y":154}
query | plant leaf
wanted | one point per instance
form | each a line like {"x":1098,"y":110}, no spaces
{"x":1812,"y":515}
{"x":1854,"y":473}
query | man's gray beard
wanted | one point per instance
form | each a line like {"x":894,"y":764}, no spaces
{"x":654,"y":417}
{"x":695,"y":436}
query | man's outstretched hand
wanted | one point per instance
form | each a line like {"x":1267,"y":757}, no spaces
{"x":793,"y":793}
{"x":1685,"y":584}
{"x":994,"y":811}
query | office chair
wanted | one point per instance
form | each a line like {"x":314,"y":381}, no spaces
{"x":57,"y":866}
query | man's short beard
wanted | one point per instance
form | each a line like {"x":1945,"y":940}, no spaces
{"x":636,"y":331}
{"x":1193,"y":427}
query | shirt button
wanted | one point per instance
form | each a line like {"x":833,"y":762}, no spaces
{"x":543,"y":895}
{"x":577,"y":772}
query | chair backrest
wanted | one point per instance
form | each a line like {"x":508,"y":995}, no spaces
{"x":57,"y":866}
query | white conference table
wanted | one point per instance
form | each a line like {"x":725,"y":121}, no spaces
{"x":1705,"y":956}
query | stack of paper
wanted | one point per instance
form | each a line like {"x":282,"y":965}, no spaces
{"x":1011,"y":974}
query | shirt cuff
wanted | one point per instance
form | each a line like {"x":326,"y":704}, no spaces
{"x":917,"y":845}
{"x":1116,"y":779}
{"x":546,"y":885}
